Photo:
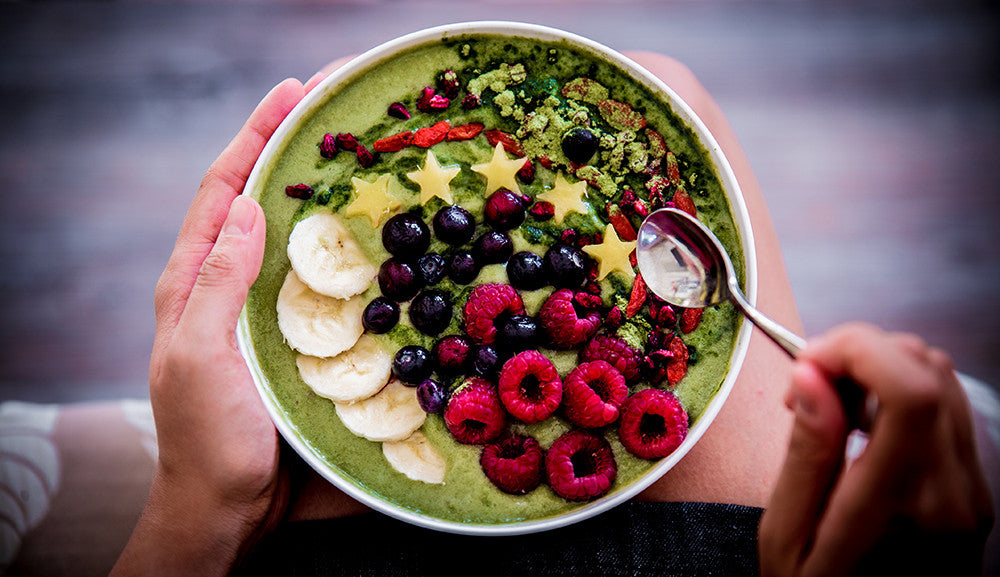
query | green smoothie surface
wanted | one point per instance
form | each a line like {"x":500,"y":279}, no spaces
{"x":521,"y":84}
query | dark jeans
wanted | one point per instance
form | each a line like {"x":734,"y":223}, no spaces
{"x":662,"y":539}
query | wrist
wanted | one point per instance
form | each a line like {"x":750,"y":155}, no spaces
{"x":186,"y":530}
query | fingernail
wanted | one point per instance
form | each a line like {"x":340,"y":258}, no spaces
{"x":241,"y":217}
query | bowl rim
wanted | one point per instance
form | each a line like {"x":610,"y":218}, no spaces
{"x":730,"y":185}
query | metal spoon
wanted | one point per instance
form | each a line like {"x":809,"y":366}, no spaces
{"x":684,"y":264}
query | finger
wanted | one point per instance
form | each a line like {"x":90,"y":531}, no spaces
{"x":225,"y":277}
{"x":814,"y":459}
{"x":869,"y":495}
{"x":223,"y":182}
{"x":321,"y":75}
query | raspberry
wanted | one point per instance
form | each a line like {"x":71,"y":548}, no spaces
{"x":580,"y":466}
{"x":616,"y":352}
{"x":565,"y":323}
{"x":593,"y":393}
{"x":474,"y":414}
{"x":513,"y":464}
{"x":653,"y":424}
{"x":530,"y":387}
{"x":486,"y":303}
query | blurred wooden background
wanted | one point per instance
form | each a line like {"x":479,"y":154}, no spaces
{"x":874,"y":129}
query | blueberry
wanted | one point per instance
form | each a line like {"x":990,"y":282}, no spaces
{"x":430,"y":311}
{"x":503,"y":210}
{"x":519,"y":333}
{"x":399,"y":281}
{"x":380,"y":315}
{"x":564,"y":265}
{"x":492,"y":247}
{"x":406,"y":236}
{"x":432,"y":268}
{"x":432,"y":396}
{"x":412,"y":364}
{"x":451,"y":354}
{"x":485,"y":361}
{"x":462,"y":267}
{"x":526,"y":271}
{"x":579,"y":144}
{"x":454,"y":225}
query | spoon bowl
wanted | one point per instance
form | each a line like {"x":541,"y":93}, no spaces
{"x":684,"y":263}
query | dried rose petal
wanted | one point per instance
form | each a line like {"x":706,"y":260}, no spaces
{"x":448,"y":83}
{"x":661,"y":356}
{"x":471,"y":101}
{"x":423,"y":101}
{"x":587,"y":300}
{"x":527,"y":172}
{"x":542,"y":210}
{"x":593,"y":287}
{"x":365,"y":158}
{"x":300,"y":191}
{"x":398,"y":110}
{"x":346,"y":141}
{"x":615,"y":319}
{"x":328,"y":148}
{"x":438,"y":102}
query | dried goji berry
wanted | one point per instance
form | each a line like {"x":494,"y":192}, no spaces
{"x":682,"y":200}
{"x":509,"y":144}
{"x":690,"y":319}
{"x":621,"y":223}
{"x":429,"y":136}
{"x":673,"y":169}
{"x":464,"y":131}
{"x":394,"y":143}
{"x":678,"y":365}
{"x":638,"y":296}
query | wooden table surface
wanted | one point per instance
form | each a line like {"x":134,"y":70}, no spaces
{"x":873,"y":128}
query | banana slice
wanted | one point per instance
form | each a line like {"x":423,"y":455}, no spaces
{"x":315,"y":324}
{"x":351,"y":376}
{"x":327,"y":258}
{"x":416,"y":458}
{"x":391,"y":415}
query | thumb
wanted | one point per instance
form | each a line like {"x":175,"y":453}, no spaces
{"x":228,"y":271}
{"x":812,"y":465}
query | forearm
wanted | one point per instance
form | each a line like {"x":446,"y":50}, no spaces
{"x":183,"y":531}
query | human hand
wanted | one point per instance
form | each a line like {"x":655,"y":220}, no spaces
{"x":914,"y":502}
{"x":217,"y":481}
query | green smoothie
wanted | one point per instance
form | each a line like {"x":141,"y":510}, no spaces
{"x":532,"y":93}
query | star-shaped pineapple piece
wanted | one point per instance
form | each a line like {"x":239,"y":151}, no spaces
{"x":500,"y":171}
{"x":433,"y":179}
{"x":372,"y":199}
{"x":612,"y":254}
{"x":565,"y":197}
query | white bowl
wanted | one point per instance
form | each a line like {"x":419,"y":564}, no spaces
{"x":317,"y":97}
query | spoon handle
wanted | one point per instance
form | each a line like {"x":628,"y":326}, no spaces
{"x":784,"y":338}
{"x":858,"y":405}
